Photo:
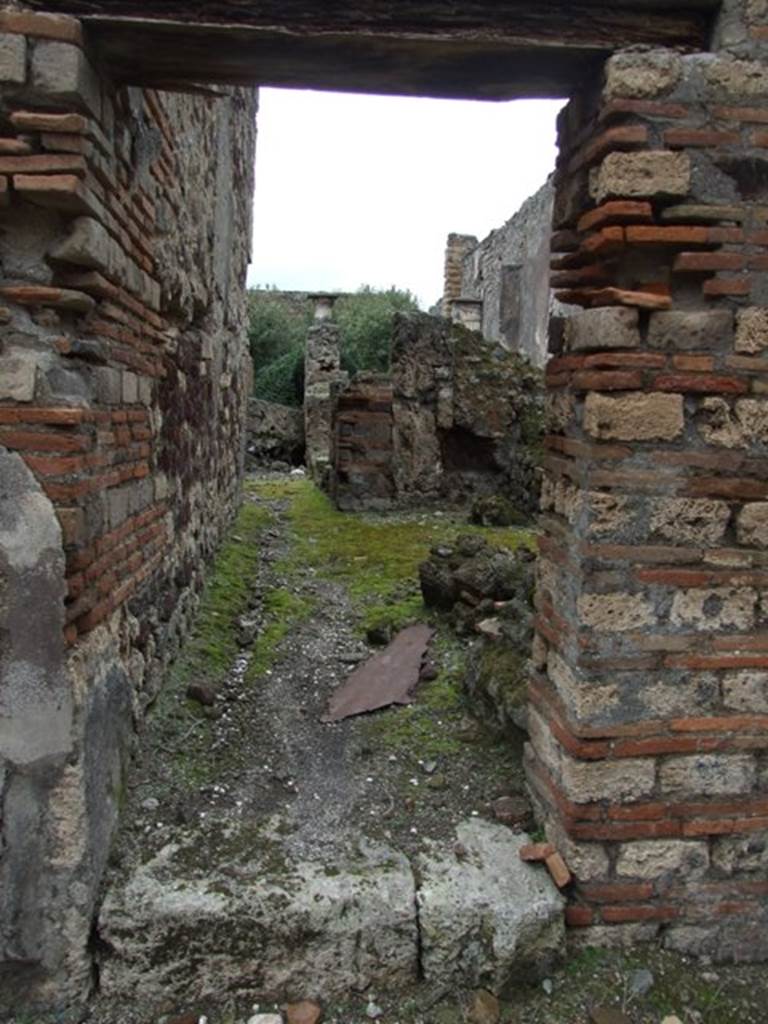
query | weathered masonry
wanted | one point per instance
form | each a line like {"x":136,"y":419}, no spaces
{"x":125,"y":169}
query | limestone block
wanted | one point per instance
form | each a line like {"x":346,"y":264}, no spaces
{"x":736,"y":427}
{"x":691,"y":330}
{"x":737,"y":79}
{"x":731,"y":854}
{"x":752,"y":524}
{"x":586,"y":700}
{"x":608,"y":513}
{"x":752,"y":330}
{"x":746,"y":690}
{"x":559,"y":411}
{"x":545,"y":745}
{"x":613,"y":613}
{"x":87,"y":245}
{"x":298,"y":927}
{"x":643,"y":175}
{"x":13,"y":58}
{"x":634,"y":416}
{"x":622,"y":780}
{"x":643,"y":75}
{"x":714,"y":608}
{"x":18,"y":371}
{"x":690,"y":520}
{"x":607,"y":327}
{"x":61,"y":73}
{"x":708,"y":774}
{"x":487,"y":918}
{"x":654,"y":858}
{"x":740,"y":938}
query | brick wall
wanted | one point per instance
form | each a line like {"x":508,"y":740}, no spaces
{"x":649,"y":716}
{"x":363,"y":444}
{"x":123,"y":376}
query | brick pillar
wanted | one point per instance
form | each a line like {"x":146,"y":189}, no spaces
{"x":456,"y":249}
{"x":648,"y":753}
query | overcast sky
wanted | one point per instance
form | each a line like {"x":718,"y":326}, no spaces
{"x":354,"y":190}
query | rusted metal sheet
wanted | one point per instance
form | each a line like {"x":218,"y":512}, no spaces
{"x":386,"y":678}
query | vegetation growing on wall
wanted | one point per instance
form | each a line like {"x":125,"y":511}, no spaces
{"x":278,"y":324}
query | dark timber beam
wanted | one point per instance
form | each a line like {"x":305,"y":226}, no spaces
{"x":481,"y":49}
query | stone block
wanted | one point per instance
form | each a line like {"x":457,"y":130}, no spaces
{"x":700,"y":521}
{"x":635,"y":416}
{"x":608,"y":513}
{"x":17,"y":376}
{"x":130,"y":387}
{"x":714,"y":608}
{"x":709,"y":774}
{"x":657,"y":858}
{"x":119,"y":504}
{"x":752,"y":524}
{"x":746,"y":691}
{"x":608,"y":327}
{"x":752,"y":330}
{"x":736,"y":427}
{"x":61,"y":74}
{"x":108,"y":385}
{"x":87,"y":245}
{"x":145,"y":391}
{"x":615,"y":613}
{"x":647,"y":174}
{"x":736,"y":79}
{"x":731,"y":854}
{"x":521,"y":911}
{"x":619,"y":781}
{"x":691,"y":330}
{"x":13,"y":58}
{"x":642,"y":75}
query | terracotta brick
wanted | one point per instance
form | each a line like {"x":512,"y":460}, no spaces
{"x":61,"y":142}
{"x":624,"y":360}
{"x":536,"y":851}
{"x":620,"y":914}
{"x":723,"y":286}
{"x":617,"y":211}
{"x":715,"y":661}
{"x":687,"y":234}
{"x":759,"y":115}
{"x":707,"y":383}
{"x":58,"y":191}
{"x":579,"y":917}
{"x":693,"y":363}
{"x":58,"y":27}
{"x":70,"y":635}
{"x":647,"y":108}
{"x":616,"y":380}
{"x":702,"y":262}
{"x":604,"y":243}
{"x":35,"y":121}
{"x":558,"y":870}
{"x":50,"y":465}
{"x":706,"y":827}
{"x":43,"y":163}
{"x":663,"y":745}
{"x":725,"y":236}
{"x":616,"y":892}
{"x":44,"y":441}
{"x":759,"y":139}
{"x":676,"y":137}
{"x":621,"y":831}
{"x":97,"y":614}
{"x":719,"y":487}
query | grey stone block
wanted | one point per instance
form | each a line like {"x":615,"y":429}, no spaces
{"x":608,"y":327}
{"x":60,"y":72}
{"x":13,"y":58}
{"x":695,"y":330}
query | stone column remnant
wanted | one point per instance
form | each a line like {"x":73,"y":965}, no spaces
{"x":456,"y":249}
{"x":323,"y":378}
{"x":649,"y":699}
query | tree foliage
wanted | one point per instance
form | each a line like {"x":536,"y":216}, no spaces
{"x":277,"y":334}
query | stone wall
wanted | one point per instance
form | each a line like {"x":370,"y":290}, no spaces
{"x":457,"y":417}
{"x":123,"y":377}
{"x":274,"y":434}
{"x":508,"y":275}
{"x":649,"y":701}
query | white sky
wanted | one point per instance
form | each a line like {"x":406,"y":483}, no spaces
{"x":354,"y":190}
